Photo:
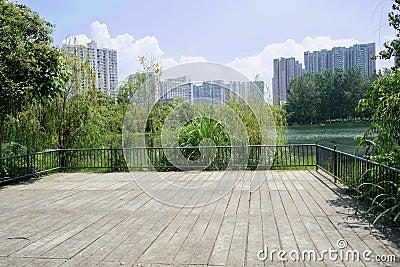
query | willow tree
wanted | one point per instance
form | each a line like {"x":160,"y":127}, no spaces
{"x":31,"y":68}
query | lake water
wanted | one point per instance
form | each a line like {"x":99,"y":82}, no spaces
{"x":340,"y":134}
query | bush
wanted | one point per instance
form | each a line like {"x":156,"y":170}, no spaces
{"x":13,"y":149}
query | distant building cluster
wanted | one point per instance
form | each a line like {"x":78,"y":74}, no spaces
{"x":285,"y":69}
{"x":215,"y":92}
{"x":103,"y":64}
{"x":342,"y":58}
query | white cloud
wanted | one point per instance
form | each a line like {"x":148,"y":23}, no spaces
{"x":261,"y":63}
{"x":79,"y":39}
{"x":129,"y":49}
{"x":99,"y":33}
{"x":170,"y":62}
{"x":326,"y":42}
{"x":187,"y":59}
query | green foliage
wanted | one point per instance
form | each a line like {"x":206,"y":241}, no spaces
{"x":78,"y":116}
{"x":381,"y":199}
{"x":248,"y":118}
{"x":301,"y":105}
{"x":30,"y":66}
{"x":13,"y":149}
{"x":279,"y":116}
{"x":160,"y":112}
{"x":31,"y":69}
{"x":382,"y":103}
{"x":202,"y":128}
{"x":202,"y":132}
{"x":142,"y":114}
{"x":141,"y":87}
{"x":326,"y":96}
{"x":392,"y":47}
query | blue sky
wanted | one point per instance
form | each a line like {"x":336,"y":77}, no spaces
{"x":245,"y":35}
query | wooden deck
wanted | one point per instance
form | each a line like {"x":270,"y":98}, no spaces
{"x":92,"y":219}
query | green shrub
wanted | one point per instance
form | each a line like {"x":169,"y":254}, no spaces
{"x":13,"y":149}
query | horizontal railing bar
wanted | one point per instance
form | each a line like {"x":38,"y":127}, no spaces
{"x":30,"y":154}
{"x":359,"y":158}
{"x":181,"y":147}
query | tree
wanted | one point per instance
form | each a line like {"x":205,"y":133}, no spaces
{"x":31,"y":68}
{"x":326,"y":96}
{"x":72,"y":109}
{"x":301,"y":105}
{"x":136,"y":99}
{"x":392,"y":48}
{"x":382,"y":103}
{"x":79,"y":116}
{"x":249,"y":119}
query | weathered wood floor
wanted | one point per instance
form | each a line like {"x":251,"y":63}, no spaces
{"x":89,"y":219}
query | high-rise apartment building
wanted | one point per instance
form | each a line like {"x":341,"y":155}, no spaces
{"x":342,"y":58}
{"x":103,"y":64}
{"x":285,"y":69}
{"x":216,"y":91}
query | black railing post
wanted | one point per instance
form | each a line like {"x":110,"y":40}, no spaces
{"x":243,"y":158}
{"x":175,"y":155}
{"x":335,"y":167}
{"x":28,"y":165}
{"x":316,"y":155}
{"x":111,"y":158}
{"x":62,"y":158}
{"x":1,"y":168}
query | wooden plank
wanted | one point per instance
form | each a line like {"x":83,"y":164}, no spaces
{"x":79,"y":219}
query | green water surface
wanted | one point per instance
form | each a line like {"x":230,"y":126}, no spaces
{"x":340,"y":134}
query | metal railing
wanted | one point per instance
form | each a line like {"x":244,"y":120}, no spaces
{"x":26,"y":166}
{"x":184,"y":158}
{"x":157,"y":158}
{"x":353,"y":171}
{"x":350,"y":170}
{"x":378,"y":184}
{"x":366,"y":178}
